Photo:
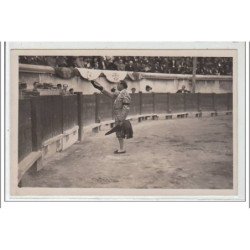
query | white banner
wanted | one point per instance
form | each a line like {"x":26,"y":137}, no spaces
{"x":90,"y":74}
{"x":114,"y":76}
{"x":111,"y":75}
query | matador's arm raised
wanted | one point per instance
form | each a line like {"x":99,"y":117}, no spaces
{"x":100,"y":87}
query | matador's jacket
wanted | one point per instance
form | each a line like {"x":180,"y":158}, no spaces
{"x":120,"y":107}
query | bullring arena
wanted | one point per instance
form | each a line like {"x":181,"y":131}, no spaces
{"x":181,"y":140}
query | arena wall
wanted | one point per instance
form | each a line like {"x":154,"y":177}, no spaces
{"x":160,"y":83}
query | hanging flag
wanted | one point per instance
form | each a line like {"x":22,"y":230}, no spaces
{"x":90,"y":74}
{"x":111,"y":75}
{"x":114,"y":76}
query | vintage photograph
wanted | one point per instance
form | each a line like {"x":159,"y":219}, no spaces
{"x":124,"y":122}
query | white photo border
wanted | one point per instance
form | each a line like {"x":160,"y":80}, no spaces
{"x":241,"y":130}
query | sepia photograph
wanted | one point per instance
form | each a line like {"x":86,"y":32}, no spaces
{"x":124,"y":123}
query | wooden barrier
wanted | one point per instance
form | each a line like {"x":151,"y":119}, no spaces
{"x":51,"y":112}
{"x":229,"y":101}
{"x":89,"y":109}
{"x":105,"y":108}
{"x":24,"y":129}
{"x":70,"y":112}
{"x":191,"y":102}
{"x":207,"y":102}
{"x":147,"y":103}
{"x":161,"y":101}
{"x":221,"y":101}
{"x":176,"y":102}
{"x":53,"y":123}
{"x":135,"y":104}
{"x":42,"y":118}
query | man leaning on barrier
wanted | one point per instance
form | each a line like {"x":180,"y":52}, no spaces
{"x":120,"y":111}
{"x":183,"y":90}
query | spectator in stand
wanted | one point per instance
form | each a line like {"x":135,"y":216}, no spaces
{"x":102,"y":63}
{"x":137,"y":65}
{"x":96,"y":64}
{"x":164,"y":68}
{"x":71,"y":61}
{"x":183,"y":90}
{"x":61,"y":61}
{"x":50,"y":61}
{"x":87,"y":63}
{"x":35,"y":85}
{"x":22,"y":86}
{"x":133,"y":90}
{"x":64,"y":90}
{"x":59,"y":86}
{"x":110,"y":65}
{"x":79,"y":62}
{"x":148,"y":88}
{"x":146,"y":65}
{"x":22,"y":89}
{"x":35,"y":91}
{"x":157,"y":68}
{"x":71,"y":91}
{"x":171,"y":65}
{"x":130,"y":66}
{"x":120,"y":65}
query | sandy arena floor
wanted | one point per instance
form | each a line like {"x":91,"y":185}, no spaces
{"x":183,"y":153}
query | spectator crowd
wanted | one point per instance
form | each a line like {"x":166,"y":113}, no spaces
{"x":170,"y":65}
{"x":59,"y":89}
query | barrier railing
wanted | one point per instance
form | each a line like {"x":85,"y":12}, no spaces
{"x":24,"y":129}
{"x":70,"y":112}
{"x":161,"y":103}
{"x":44,"y":117}
{"x":88,"y":109}
{"x":176,"y":102}
{"x":105,"y":105}
{"x":135,"y":104}
{"x":147,"y":103}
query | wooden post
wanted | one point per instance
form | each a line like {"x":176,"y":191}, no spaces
{"x":36,"y":132}
{"x":62,"y":104}
{"x":198,"y":101}
{"x":168,"y":103}
{"x":184,"y":102}
{"x":80,"y":115}
{"x":36,"y":123}
{"x":140,"y":102}
{"x":214,"y":107}
{"x":153,"y":94}
{"x":194,"y":74}
{"x":97,"y":106}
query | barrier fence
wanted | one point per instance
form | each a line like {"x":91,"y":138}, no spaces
{"x":135,"y":104}
{"x":44,"y":117}
{"x":24,"y":129}
{"x":89,"y":108}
